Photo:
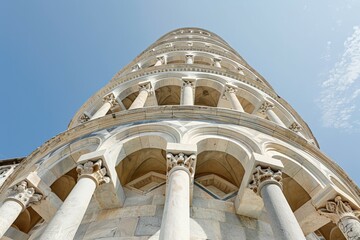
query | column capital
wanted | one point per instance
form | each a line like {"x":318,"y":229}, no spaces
{"x":110,"y":98}
{"x":135,"y":67}
{"x":295,"y":127}
{"x":24,"y":195}
{"x":188,"y":82}
{"x":161,"y":59}
{"x":217,"y":59}
{"x":93,"y":170}
{"x":263,"y":176}
{"x":84,"y":118}
{"x":337,"y":209}
{"x":145,"y":86}
{"x":181,"y":160}
{"x":265,"y":106}
{"x":230,"y":88}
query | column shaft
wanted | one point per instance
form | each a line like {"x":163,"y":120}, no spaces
{"x":9,"y":211}
{"x":102,"y":111}
{"x":235,"y":103}
{"x":140,"y":100}
{"x":282,"y":219}
{"x":68,"y":218}
{"x":188,"y":96}
{"x":273,"y":117}
{"x":176,"y":218}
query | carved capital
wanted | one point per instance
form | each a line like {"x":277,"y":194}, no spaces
{"x":295,"y":127}
{"x":110,"y":98}
{"x":265,"y":106}
{"x":264,"y":176}
{"x":136,"y":67}
{"x":84,"y":118}
{"x":161,"y":59}
{"x":217,"y":60}
{"x":93,"y":170}
{"x":188,"y":82}
{"x":337,"y":209}
{"x":230,"y":89}
{"x":145,"y":86}
{"x":24,"y":195}
{"x":4,"y":171}
{"x":181,"y":160}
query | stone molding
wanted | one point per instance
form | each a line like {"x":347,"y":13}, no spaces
{"x":181,"y":160}
{"x":263,"y":176}
{"x":24,"y":195}
{"x":93,"y":170}
{"x":265,"y":106}
{"x":337,"y":209}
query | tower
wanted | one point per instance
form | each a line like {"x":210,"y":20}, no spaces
{"x":186,"y":142}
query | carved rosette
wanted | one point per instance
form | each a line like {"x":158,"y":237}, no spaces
{"x":295,"y":127}
{"x":24,"y":195}
{"x":93,"y":170}
{"x":341,"y":213}
{"x":110,"y":98}
{"x":264,"y":176}
{"x":181,"y":160}
{"x":265,"y":106}
{"x":84,"y":118}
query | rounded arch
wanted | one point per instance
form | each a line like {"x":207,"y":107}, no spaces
{"x":63,"y":160}
{"x":300,"y":174}
{"x":207,"y":92}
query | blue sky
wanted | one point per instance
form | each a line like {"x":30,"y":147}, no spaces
{"x":55,"y":54}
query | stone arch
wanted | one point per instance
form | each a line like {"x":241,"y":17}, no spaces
{"x":300,"y":175}
{"x":207,"y":93}
{"x":168,"y":91}
{"x":61,"y":162}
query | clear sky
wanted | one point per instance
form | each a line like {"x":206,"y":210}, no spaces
{"x":55,"y":54}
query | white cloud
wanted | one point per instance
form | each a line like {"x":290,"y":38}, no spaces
{"x":339,"y":98}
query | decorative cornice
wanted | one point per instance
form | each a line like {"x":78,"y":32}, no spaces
{"x":24,"y":195}
{"x":263,"y":176}
{"x":181,"y":160}
{"x":338,"y":209}
{"x":93,"y":170}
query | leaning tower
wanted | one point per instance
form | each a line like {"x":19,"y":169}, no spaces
{"x":186,"y":142}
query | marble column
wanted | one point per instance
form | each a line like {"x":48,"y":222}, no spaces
{"x":189,"y":59}
{"x":109,"y":102}
{"x":140,"y":100}
{"x":176,"y":217}
{"x":69,"y":216}
{"x":21,"y":196}
{"x":160,"y":61}
{"x":230,"y":93}
{"x":295,"y":127}
{"x":187,"y":93}
{"x":266,"y":108}
{"x":342,"y":214}
{"x":267,"y":183}
{"x":217,"y":62}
